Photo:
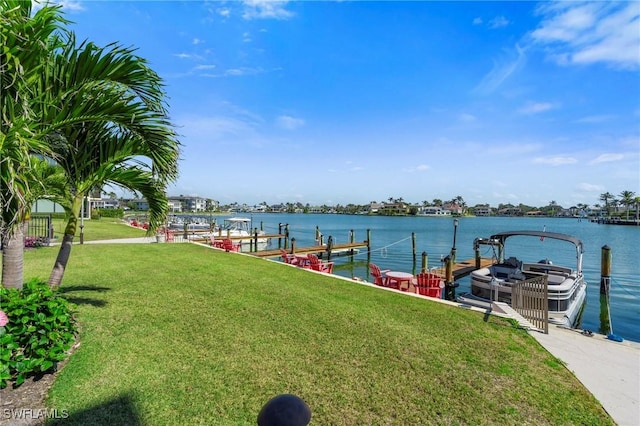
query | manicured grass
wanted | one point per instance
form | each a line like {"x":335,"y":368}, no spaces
{"x":183,"y":334}
{"x":99,"y":229}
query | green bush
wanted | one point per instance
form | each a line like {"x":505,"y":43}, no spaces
{"x":40,"y":330}
{"x":117,"y":213}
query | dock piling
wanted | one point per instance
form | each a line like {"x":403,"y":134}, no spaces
{"x":605,"y":270}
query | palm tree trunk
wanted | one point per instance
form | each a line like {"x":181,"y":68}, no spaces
{"x":13,"y":258}
{"x":55,"y":279}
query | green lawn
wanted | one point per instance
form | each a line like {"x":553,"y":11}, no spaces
{"x":182,"y":334}
{"x":98,"y":229}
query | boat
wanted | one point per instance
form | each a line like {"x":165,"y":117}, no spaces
{"x":236,"y":228}
{"x":182,"y":223}
{"x":566,"y":287}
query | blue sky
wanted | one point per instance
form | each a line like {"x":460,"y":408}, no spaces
{"x":352,"y":102}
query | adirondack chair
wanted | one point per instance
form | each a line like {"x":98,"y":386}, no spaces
{"x":378,"y":275}
{"x":317,"y":265}
{"x":216,"y":243}
{"x":428,"y":284}
{"x":288,"y":257}
{"x":229,"y":245}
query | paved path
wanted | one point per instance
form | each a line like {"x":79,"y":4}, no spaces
{"x":609,"y":369}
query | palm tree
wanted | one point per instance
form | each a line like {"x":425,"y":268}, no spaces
{"x":113,"y":127}
{"x":26,"y":41}
{"x":125,"y":139}
{"x":606,"y":197}
{"x":626,"y":198}
{"x":460,"y":201}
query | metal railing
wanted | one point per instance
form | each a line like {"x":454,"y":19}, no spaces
{"x":530,"y":299}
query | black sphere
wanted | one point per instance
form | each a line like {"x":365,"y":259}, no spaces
{"x":285,"y":410}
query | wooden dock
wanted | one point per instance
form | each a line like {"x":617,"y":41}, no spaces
{"x":319,"y":249}
{"x":464,"y":268}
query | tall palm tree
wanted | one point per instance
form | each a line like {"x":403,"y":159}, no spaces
{"x":626,"y":199}
{"x":25,"y":42}
{"x":606,"y":197}
{"x":118,"y":132}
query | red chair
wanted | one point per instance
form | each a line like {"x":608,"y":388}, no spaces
{"x":228,"y":245}
{"x":216,"y":243}
{"x":428,"y":284}
{"x":288,"y":257}
{"x":317,"y":265}
{"x":378,"y":275}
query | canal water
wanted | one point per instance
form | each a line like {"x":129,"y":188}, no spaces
{"x":392,"y":248}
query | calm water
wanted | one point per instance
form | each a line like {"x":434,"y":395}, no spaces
{"x":391,"y":245}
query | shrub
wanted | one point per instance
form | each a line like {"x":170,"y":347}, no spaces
{"x":39,"y":331}
{"x":117,"y":213}
{"x":35,"y":242}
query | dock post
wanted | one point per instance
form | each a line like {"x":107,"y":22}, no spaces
{"x":478,"y":258}
{"x":352,"y":239}
{"x":425,"y":262}
{"x":329,"y":247}
{"x":413,"y":246}
{"x":280,"y":233}
{"x":455,"y":232}
{"x":368,"y":249}
{"x":605,"y":281}
{"x":293,"y":245}
{"x":286,"y":236}
{"x":605,"y":270}
{"x":255,"y":239}
{"x":605,"y":317}
{"x":449,"y":287}
{"x":318,"y":236}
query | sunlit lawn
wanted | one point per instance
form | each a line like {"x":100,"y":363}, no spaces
{"x":98,"y":229}
{"x":182,"y":334}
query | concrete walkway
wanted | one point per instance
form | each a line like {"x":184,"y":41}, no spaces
{"x":609,"y":369}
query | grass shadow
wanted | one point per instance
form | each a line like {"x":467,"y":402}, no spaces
{"x":84,"y":300}
{"x":84,"y":288}
{"x":118,"y":411}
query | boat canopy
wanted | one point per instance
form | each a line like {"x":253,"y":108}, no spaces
{"x":502,"y":237}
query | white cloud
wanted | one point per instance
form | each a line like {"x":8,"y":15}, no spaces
{"x":535,"y":107}
{"x":477,"y":21}
{"x":607,"y":158}
{"x":596,"y":119}
{"x":498,"y":22}
{"x":289,"y":123}
{"x":239,"y":72}
{"x":197,"y":41}
{"x":204,"y":67}
{"x":70,"y":5}
{"x":501,"y":71}
{"x":555,"y":161}
{"x":467,"y":117}
{"x":584,"y":33}
{"x":422,"y":167}
{"x":589,"y":187}
{"x":266,"y":9}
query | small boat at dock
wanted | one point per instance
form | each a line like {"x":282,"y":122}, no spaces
{"x":566,"y":287}
{"x":239,"y":230}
